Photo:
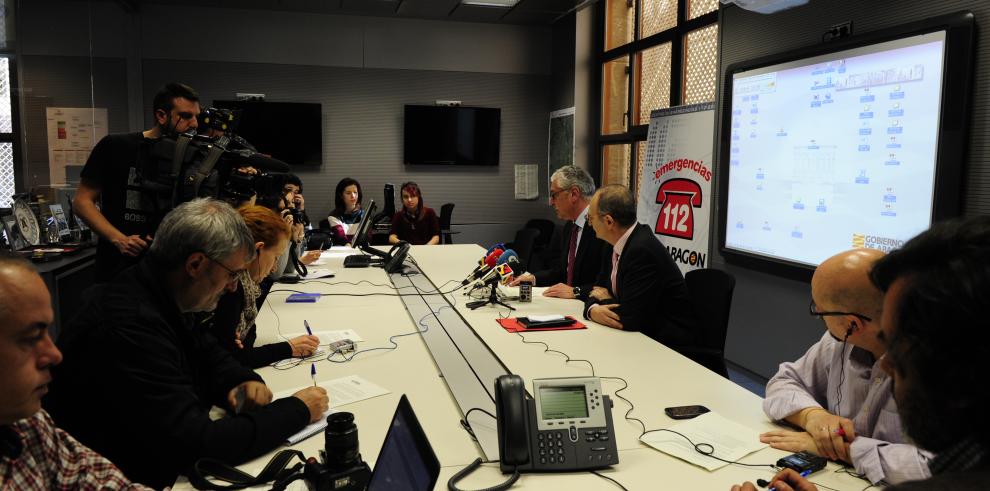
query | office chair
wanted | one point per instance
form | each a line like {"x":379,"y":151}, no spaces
{"x":711,"y":294}
{"x":445,"y":215}
{"x":523,"y":245}
{"x":541,"y":247}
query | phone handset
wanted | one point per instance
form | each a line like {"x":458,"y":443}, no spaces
{"x":396,"y":255}
{"x":512,"y":420}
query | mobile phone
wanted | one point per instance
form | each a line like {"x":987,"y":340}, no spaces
{"x":685,"y":412}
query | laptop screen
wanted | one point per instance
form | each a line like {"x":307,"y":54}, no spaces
{"x":406,"y":461}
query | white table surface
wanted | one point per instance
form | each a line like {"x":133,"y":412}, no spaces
{"x":657,"y":376}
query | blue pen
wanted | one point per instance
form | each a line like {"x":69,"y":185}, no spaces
{"x":308,"y":330}
{"x":312,"y":373}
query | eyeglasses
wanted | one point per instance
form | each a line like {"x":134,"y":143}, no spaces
{"x":813,"y":310}
{"x":232,"y":274}
{"x":187,"y":115}
{"x":553,"y":194}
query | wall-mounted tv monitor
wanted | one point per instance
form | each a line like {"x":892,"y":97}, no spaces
{"x":288,"y":131}
{"x":451,"y":135}
{"x":858,"y":144}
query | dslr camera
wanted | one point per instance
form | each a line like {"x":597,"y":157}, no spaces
{"x":340,"y":467}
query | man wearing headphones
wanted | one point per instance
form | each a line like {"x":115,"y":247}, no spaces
{"x":838,"y":393}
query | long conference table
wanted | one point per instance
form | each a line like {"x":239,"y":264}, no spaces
{"x":657,"y":376}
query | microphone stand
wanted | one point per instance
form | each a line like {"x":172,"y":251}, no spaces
{"x":493,"y":298}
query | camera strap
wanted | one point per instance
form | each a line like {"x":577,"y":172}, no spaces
{"x":181,"y":143}
{"x":216,"y":470}
{"x":206,"y":167}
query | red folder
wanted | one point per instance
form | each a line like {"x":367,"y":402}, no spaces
{"x":510,"y":324}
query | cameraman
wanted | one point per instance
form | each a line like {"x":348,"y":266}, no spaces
{"x":109,"y":179}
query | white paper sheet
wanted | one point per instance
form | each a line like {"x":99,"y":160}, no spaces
{"x":317,"y":273}
{"x":731,"y":441}
{"x":342,"y":391}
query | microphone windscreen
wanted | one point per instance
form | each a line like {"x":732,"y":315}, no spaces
{"x":509,"y":253}
{"x":492,"y":258}
{"x":514,"y":262}
{"x":500,"y":245}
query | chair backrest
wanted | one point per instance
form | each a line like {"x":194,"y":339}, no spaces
{"x":446,"y":211}
{"x":523,"y":244}
{"x":711,"y":293}
{"x":546,"y":231}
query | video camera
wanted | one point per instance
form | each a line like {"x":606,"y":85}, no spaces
{"x":217,"y":163}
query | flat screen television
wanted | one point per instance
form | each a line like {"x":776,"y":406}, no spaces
{"x":858,"y":144}
{"x":288,"y":131}
{"x":451,"y":135}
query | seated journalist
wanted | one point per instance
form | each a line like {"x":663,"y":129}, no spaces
{"x":232,"y":323}
{"x":935,"y":329}
{"x":140,"y":378}
{"x":639,"y":287}
{"x":34,"y":453}
{"x":415,"y":223}
{"x":576,"y":253}
{"x":837,"y":393}
{"x":347,"y":211}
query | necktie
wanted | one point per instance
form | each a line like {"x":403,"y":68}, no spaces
{"x":571,"y":253}
{"x":615,"y":271}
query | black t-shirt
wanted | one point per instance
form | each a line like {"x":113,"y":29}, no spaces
{"x":115,"y":166}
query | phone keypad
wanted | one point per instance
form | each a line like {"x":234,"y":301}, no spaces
{"x":551,"y":447}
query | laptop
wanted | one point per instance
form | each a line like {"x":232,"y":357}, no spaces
{"x":406,"y":461}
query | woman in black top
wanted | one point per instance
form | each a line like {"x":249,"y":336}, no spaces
{"x":414,"y":223}
{"x":232,"y":323}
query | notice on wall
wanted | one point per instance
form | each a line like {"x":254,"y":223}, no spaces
{"x":676,"y":185}
{"x":527,"y":182}
{"x":72,"y":133}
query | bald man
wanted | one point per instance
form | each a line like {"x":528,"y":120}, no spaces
{"x":838,"y":393}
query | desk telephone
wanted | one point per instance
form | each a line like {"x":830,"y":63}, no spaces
{"x":566,"y":426}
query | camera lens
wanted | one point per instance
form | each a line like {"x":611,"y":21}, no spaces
{"x":341,"y":441}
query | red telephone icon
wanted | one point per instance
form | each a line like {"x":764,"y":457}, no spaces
{"x":677,"y":199}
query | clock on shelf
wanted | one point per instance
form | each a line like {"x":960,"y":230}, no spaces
{"x":27,"y":222}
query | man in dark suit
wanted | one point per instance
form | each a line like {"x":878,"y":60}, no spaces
{"x":577,"y":253}
{"x":640,"y":288}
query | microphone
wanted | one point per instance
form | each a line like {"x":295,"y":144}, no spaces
{"x":513,"y":262}
{"x":505,"y":273}
{"x":500,"y":245}
{"x":487,"y":263}
{"x":506,"y":256}
{"x":497,"y":274}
